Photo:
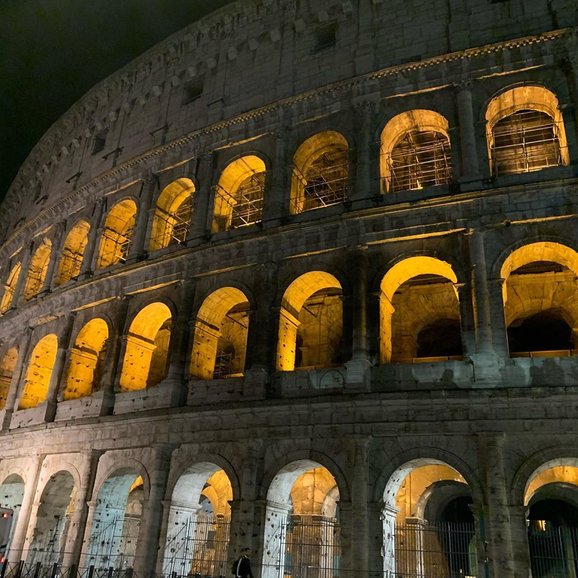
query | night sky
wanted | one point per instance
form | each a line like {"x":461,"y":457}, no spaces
{"x":53,"y":51}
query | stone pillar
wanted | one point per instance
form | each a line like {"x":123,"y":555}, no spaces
{"x":150,"y":526}
{"x":55,"y":254}
{"x":389,"y":521}
{"x":94,"y":234}
{"x":359,"y":367}
{"x":272,"y":561}
{"x":467,"y":317}
{"x":200,"y":224}
{"x":500,"y":548}
{"x":13,"y":392}
{"x":137,"y":250}
{"x":19,"y":289}
{"x":21,"y":529}
{"x":362,"y":190}
{"x":77,"y":528}
{"x":354,"y":514}
{"x":468,"y":147}
{"x":520,"y":547}
{"x":278,"y":189}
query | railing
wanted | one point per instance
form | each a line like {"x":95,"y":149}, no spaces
{"x":321,"y":188}
{"x":553,"y":550}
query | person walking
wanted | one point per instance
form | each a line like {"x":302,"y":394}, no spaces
{"x":243,"y":565}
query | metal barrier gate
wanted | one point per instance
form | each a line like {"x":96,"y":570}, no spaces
{"x":553,"y":550}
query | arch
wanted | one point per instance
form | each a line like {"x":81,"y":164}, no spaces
{"x":117,"y":234}
{"x":10,"y":288}
{"x":539,"y":251}
{"x":52,"y":519}
{"x":11,"y":496}
{"x":239,"y":194}
{"x":426,"y":272}
{"x":311,"y":316}
{"x":147,"y":347}
{"x":73,"y":253}
{"x":37,"y":269}
{"x":200,"y":507}
{"x":39,"y":372}
{"x":7,"y":366}
{"x":320,"y":172}
{"x":220,"y":336}
{"x":525,"y":131}
{"x":415,"y":151}
{"x":86,"y":360}
{"x":173,"y":213}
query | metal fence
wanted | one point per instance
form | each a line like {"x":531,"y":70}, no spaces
{"x":553,"y":550}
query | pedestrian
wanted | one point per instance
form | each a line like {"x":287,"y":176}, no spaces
{"x":242,"y":567}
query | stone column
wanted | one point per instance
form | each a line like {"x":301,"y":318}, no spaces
{"x":519,"y":530}
{"x":55,"y":254}
{"x":500,"y":548}
{"x":19,"y":289}
{"x":467,"y":317}
{"x":200,"y":224}
{"x":137,"y":250}
{"x":362,"y":189}
{"x":149,"y":531}
{"x":389,"y":521}
{"x":77,"y":528}
{"x":21,"y":529}
{"x":17,"y":376}
{"x":94,"y":234}
{"x":277,"y":190}
{"x":359,"y":367}
{"x":468,"y":147}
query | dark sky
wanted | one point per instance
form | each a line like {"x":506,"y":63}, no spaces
{"x":53,"y":51}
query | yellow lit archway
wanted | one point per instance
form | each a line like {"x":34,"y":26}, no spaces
{"x":117,"y":234}
{"x":320,"y":172}
{"x":73,"y":252}
{"x":39,"y":372}
{"x":221,"y":330}
{"x":311,"y":322}
{"x":7,"y":366}
{"x":415,"y":151}
{"x":147,"y":346}
{"x":37,"y":269}
{"x":9,"y":288}
{"x":239,"y":194}
{"x":172,"y":214}
{"x":86,"y":360}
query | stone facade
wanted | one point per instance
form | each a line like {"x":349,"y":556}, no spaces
{"x":302,"y":278}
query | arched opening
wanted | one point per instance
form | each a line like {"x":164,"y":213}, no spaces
{"x":11,"y":494}
{"x":147,"y":348}
{"x":86,"y":360}
{"x":320,"y":172}
{"x":525,"y":131}
{"x":37,"y":269}
{"x":9,"y":288}
{"x":428,"y":526}
{"x":53,"y":520}
{"x":199,"y":521}
{"x":7,"y":366}
{"x":540,"y":307}
{"x":415,"y":151}
{"x":552,"y":500}
{"x":73,"y":253}
{"x":311,"y":323}
{"x":419,"y":312}
{"x":116,"y":523}
{"x":220,"y":339}
{"x":172,"y":217}
{"x":117,"y":234}
{"x":239,"y":194}
{"x":39,"y":372}
{"x":302,"y":531}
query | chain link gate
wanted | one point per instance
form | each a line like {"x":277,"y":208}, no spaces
{"x":553,"y":550}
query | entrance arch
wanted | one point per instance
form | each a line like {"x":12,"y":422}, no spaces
{"x":302,"y":531}
{"x":11,"y":494}
{"x":199,"y":519}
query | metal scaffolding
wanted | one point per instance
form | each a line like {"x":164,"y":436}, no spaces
{"x":241,"y":207}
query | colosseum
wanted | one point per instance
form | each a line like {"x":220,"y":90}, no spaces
{"x":302,"y":279}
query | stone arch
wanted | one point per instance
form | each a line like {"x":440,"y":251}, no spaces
{"x":173,"y":212}
{"x":302,"y":508}
{"x":37,"y":269}
{"x":7,"y":366}
{"x":53,"y":519}
{"x":311,"y":309}
{"x":117,"y":233}
{"x":239,"y":194}
{"x":147,"y":345}
{"x":415,"y":151}
{"x":320,"y":172}
{"x":431,"y":277}
{"x":86,"y":361}
{"x":220,"y":335}
{"x":11,"y":495}
{"x":199,"y":516}
{"x":539,"y":285}
{"x":10,"y":288}
{"x":73,"y":252}
{"x":525,"y":131}
{"x":39,"y":372}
